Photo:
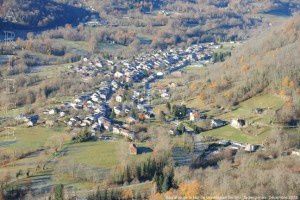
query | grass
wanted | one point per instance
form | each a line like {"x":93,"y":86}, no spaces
{"x":102,"y":154}
{"x":94,"y":154}
{"x":82,"y":45}
{"x":229,"y":133}
{"x":245,"y":109}
{"x":30,"y":138}
{"x":52,"y":70}
{"x":104,"y":46}
{"x":12,"y":112}
{"x":27,"y":140}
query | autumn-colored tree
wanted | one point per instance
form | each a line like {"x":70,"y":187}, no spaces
{"x":127,"y":194}
{"x":213,"y":85}
{"x":156,"y":196}
{"x":202,"y":96}
{"x":68,"y":26}
{"x":193,"y":86}
{"x":245,"y":68}
{"x":285,"y":81}
{"x":282,"y":93}
{"x":190,"y":189}
{"x":292,"y":84}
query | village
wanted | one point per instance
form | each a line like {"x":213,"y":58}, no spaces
{"x":124,"y":97}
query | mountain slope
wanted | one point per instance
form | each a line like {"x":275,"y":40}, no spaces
{"x":39,"y":13}
{"x":270,"y":62}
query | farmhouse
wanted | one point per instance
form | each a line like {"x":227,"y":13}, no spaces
{"x":32,"y":120}
{"x":238,"y":123}
{"x":215,"y":123}
{"x":119,"y":98}
{"x":194,"y":116}
{"x":117,"y":110}
{"x":250,"y":148}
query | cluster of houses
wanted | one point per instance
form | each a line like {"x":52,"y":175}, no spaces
{"x":238,"y":146}
{"x":92,"y":109}
{"x":145,"y":67}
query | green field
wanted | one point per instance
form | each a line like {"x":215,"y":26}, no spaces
{"x":103,"y":154}
{"x":229,"y":133}
{"x":30,"y":138}
{"x":245,"y":109}
{"x":94,"y":154}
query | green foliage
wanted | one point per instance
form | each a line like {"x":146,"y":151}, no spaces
{"x":164,"y":179}
{"x":142,"y":171}
{"x":220,"y":56}
{"x":112,"y":114}
{"x":179,"y":111}
{"x":59,"y":192}
{"x":169,"y":107}
{"x":83,"y":136}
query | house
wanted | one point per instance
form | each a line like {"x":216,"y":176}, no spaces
{"x":126,"y":133}
{"x":250,"y":148}
{"x":50,"y":123}
{"x":194,"y":116}
{"x":296,"y":152}
{"x":119,"y":98}
{"x":32,"y":120}
{"x":62,"y":114}
{"x":72,"y":122}
{"x":53,"y":111}
{"x":115,"y":130}
{"x":133,"y":149}
{"x":159,"y":74}
{"x":215,"y":123}
{"x":130,"y":120}
{"x":107,"y":125}
{"x":172,"y":85}
{"x":118,"y":75}
{"x":238,"y":123}
{"x":165,"y":95}
{"x":140,"y":107}
{"x":117,"y":110}
{"x":175,"y":131}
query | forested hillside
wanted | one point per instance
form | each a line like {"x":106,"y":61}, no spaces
{"x":270,"y":62}
{"x":39,"y":13}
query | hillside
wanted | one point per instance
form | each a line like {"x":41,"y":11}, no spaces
{"x":270,"y":62}
{"x":39,"y":13}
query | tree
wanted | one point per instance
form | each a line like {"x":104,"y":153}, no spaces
{"x":162,"y":116}
{"x":127,"y":194}
{"x":59,"y":192}
{"x":156,"y":196}
{"x":112,"y":115}
{"x":168,"y":105}
{"x":190,"y":189}
{"x":2,"y":197}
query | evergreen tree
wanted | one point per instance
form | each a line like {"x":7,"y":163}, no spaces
{"x":59,"y":192}
{"x":112,"y":115}
{"x":168,"y":105}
